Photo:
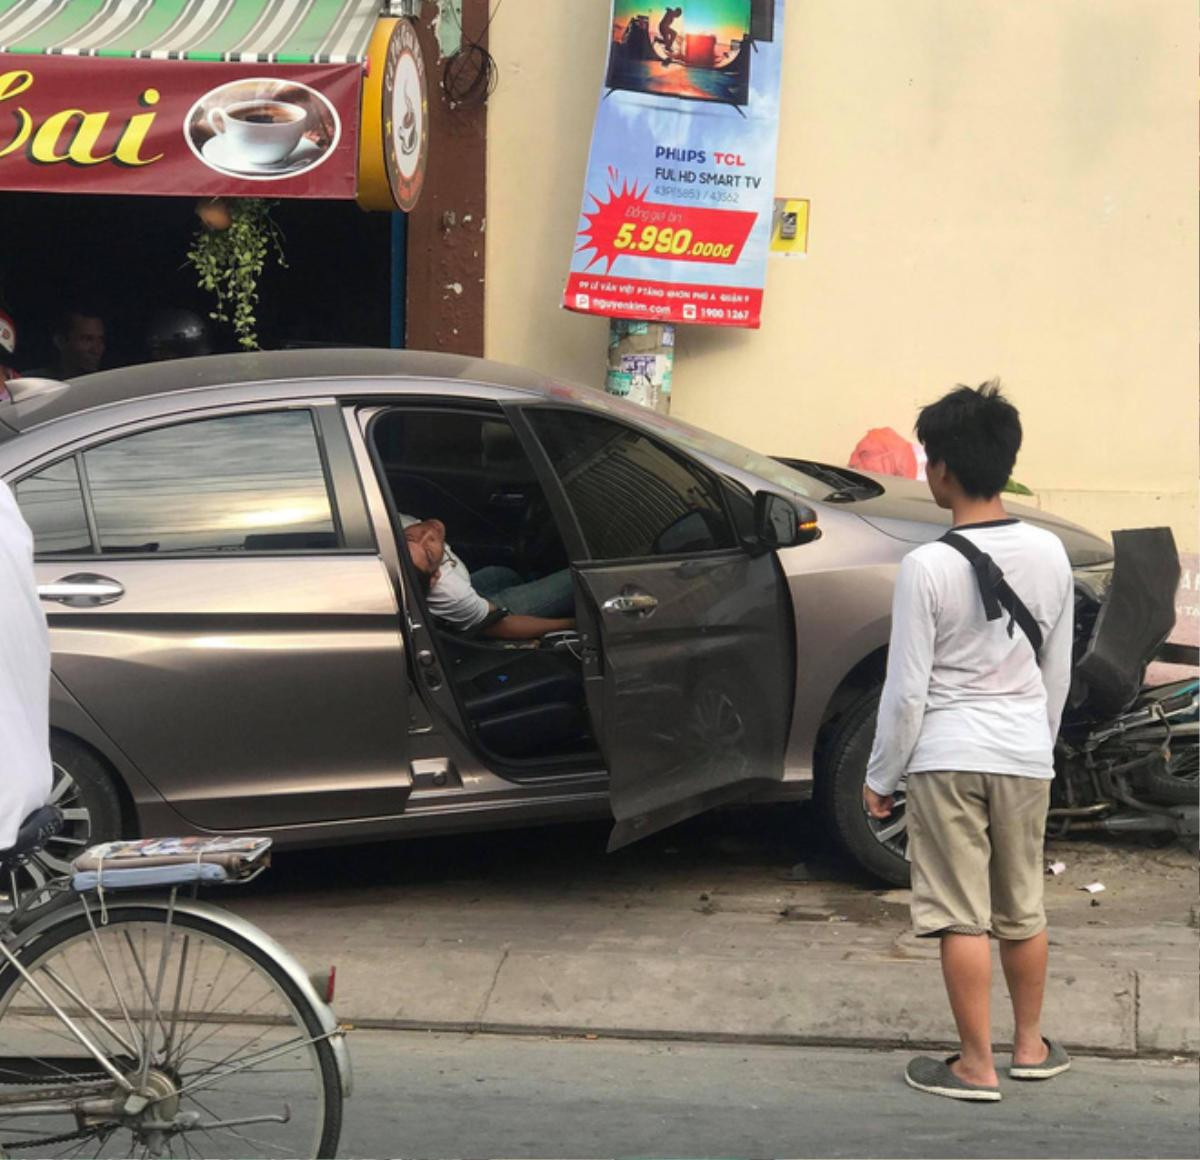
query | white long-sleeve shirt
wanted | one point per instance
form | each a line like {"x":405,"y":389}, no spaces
{"x":24,"y":677}
{"x":961,"y":693}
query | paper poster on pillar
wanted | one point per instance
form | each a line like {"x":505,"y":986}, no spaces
{"x":678,"y":200}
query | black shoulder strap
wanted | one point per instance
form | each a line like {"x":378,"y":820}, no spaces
{"x":997,"y":593}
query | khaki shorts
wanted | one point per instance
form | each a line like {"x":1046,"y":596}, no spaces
{"x":975,"y":842}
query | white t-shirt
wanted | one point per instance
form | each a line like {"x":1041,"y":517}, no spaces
{"x":24,"y":677}
{"x":451,"y":597}
{"x":961,"y":693}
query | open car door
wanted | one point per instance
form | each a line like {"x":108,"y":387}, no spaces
{"x":688,"y":635}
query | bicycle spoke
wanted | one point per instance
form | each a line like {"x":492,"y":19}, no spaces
{"x":98,"y":948}
{"x":187,"y":1042}
{"x":197,"y":1021}
{"x":193,"y":1046}
{"x":153,"y":1015}
{"x":245,"y":1065}
{"x":75,"y":995}
{"x":237,"y":1050}
{"x":183,"y":958}
{"x":104,"y":1139}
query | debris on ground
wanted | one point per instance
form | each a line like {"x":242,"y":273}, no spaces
{"x":1056,"y":868}
{"x":1093,"y":887}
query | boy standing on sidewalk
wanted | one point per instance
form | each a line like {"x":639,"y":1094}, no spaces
{"x":970,"y":712}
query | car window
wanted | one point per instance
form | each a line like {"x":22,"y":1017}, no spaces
{"x":240,"y":483}
{"x":443,"y":440}
{"x":632,"y":496}
{"x":52,"y":503}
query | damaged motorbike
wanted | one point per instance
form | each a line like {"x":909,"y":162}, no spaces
{"x":1127,"y":755}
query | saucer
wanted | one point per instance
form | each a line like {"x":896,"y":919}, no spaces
{"x":221,"y":154}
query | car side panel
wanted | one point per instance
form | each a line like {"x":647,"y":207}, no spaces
{"x":247,"y":691}
{"x":841,"y":587}
{"x":68,"y":716}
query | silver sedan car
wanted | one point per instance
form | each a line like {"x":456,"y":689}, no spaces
{"x":242,"y":642}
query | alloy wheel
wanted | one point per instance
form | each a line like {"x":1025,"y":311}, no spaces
{"x":54,"y":859}
{"x":892,"y":832}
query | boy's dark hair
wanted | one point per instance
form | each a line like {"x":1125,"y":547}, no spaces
{"x":976,"y":433}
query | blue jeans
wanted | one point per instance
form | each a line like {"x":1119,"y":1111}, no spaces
{"x":551,"y":596}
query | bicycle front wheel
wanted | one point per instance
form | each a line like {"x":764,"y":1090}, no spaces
{"x":225,"y":1054}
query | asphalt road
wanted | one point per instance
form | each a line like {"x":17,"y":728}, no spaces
{"x":434,"y":1095}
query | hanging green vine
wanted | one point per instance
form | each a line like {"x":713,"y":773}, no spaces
{"x":229,"y":261}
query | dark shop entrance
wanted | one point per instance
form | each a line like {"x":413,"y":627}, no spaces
{"x":124,"y":260}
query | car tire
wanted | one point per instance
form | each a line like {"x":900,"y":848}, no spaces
{"x":839,"y":790}
{"x":85,"y":791}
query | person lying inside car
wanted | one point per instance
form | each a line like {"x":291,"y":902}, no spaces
{"x":493,"y":601}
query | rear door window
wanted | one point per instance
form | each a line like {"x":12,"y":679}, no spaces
{"x":239,"y":483}
{"x":52,"y":503}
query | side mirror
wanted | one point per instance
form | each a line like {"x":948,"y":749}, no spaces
{"x":780,"y":522}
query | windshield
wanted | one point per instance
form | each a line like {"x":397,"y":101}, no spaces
{"x":693,"y":439}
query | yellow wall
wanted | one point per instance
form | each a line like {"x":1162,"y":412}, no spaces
{"x":998,"y":187}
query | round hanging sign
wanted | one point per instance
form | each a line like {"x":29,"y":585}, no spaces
{"x":405,"y":116}
{"x":395,"y":123}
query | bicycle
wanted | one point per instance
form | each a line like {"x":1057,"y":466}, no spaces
{"x":136,"y":1019}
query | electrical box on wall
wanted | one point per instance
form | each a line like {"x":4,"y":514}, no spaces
{"x":789,"y":229}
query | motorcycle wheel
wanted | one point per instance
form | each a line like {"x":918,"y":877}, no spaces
{"x":1174,"y":782}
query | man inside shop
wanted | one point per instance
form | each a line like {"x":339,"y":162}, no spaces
{"x":79,"y":340}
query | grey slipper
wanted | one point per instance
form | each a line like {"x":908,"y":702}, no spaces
{"x":1055,"y":1063}
{"x":934,"y":1076}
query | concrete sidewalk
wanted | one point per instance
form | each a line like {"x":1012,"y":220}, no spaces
{"x":694,"y":948}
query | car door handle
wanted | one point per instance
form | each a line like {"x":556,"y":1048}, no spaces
{"x":631,"y":603}
{"x":82,"y":590}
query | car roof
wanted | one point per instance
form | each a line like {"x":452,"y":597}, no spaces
{"x":47,"y":402}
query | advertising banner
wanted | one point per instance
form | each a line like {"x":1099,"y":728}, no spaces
{"x":86,"y":125}
{"x":679,"y":195}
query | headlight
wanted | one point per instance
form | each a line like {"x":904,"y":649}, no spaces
{"x":1095,"y":580}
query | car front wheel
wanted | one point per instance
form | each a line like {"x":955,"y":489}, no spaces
{"x":877,"y":845}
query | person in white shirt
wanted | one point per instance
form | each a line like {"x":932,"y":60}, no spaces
{"x":25,"y":769}
{"x":969,"y":714}
{"x":493,"y":601}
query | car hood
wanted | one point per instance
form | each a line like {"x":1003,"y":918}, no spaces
{"x":906,"y":511}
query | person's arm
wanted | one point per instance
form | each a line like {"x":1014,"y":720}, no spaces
{"x":1056,"y":657}
{"x":512,"y":627}
{"x":910,"y":662}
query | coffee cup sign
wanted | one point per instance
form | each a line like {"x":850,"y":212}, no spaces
{"x":262,"y":128}
{"x":262,"y":132}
